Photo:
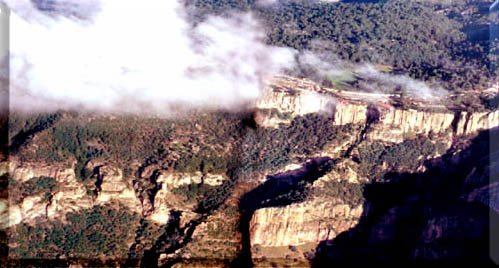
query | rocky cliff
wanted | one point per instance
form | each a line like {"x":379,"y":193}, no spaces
{"x":108,"y":184}
{"x":69,"y":196}
{"x":321,"y":218}
{"x":297,"y":103}
{"x":297,"y":224}
{"x":391,"y":124}
{"x":167,"y":181}
{"x":333,"y":205}
{"x":296,"y":206}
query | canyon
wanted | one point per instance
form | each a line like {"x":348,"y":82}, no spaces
{"x":330,"y":203}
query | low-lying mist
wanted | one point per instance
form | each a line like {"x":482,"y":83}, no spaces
{"x":134,"y":57}
{"x":126,"y":57}
{"x":332,"y":71}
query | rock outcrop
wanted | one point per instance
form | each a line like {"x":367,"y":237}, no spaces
{"x":296,"y":103}
{"x":70,"y":195}
{"x":111,"y":185}
{"x":321,"y":216}
{"x":297,"y":224}
{"x":106,"y":185}
{"x":391,"y":124}
{"x":163,"y":202}
{"x":349,"y":113}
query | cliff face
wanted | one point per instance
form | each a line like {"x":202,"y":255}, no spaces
{"x":322,"y":216}
{"x":297,"y":103}
{"x":394,"y":122}
{"x":70,"y":194}
{"x":334,"y":202}
{"x":167,"y":181}
{"x":107,"y":185}
{"x":468,"y":123}
{"x":390,"y":124}
{"x":297,"y":224}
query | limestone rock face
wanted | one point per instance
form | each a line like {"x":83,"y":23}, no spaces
{"x":4,"y":213}
{"x":469,"y":123}
{"x":26,"y":171}
{"x":297,"y":224}
{"x":106,"y":185}
{"x":179,"y":179}
{"x":114,"y":187}
{"x":349,"y":113}
{"x":298,"y":103}
{"x":391,"y":124}
{"x":161,"y":206}
{"x":31,"y":208}
{"x":163,"y":202}
{"x":70,"y":194}
{"x":320,"y":217}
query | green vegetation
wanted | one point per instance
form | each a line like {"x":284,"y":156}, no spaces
{"x":221,"y":230}
{"x":22,"y":127}
{"x":193,"y":192}
{"x":92,"y":233}
{"x":208,"y":142}
{"x":271,"y":149}
{"x":409,"y":155}
{"x":34,"y":186}
{"x":449,"y":47}
{"x":350,"y":193}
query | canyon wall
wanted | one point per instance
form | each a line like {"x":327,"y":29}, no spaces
{"x":322,"y":216}
{"x":391,"y":124}
{"x":297,"y":103}
{"x":107,"y":185}
{"x":297,"y":224}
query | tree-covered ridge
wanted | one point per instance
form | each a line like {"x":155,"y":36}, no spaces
{"x":221,"y":143}
{"x":439,"y":43}
{"x":126,"y":140}
{"x":377,"y":158}
{"x":43,"y":186}
{"x":92,"y":233}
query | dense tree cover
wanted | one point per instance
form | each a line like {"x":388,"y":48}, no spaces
{"x":271,"y":149}
{"x":262,"y":149}
{"x":193,"y":192}
{"x":220,"y":143}
{"x":207,"y":197}
{"x":22,"y":127}
{"x":408,"y":154}
{"x":43,"y":186}
{"x":92,"y":233}
{"x":410,"y":36}
{"x":350,"y":193}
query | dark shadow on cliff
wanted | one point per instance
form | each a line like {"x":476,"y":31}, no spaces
{"x":278,"y":190}
{"x":441,"y":214}
{"x":41,"y":123}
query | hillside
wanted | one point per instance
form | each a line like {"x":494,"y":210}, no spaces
{"x":213,"y":188}
{"x":442,"y":43}
{"x":375,"y":143}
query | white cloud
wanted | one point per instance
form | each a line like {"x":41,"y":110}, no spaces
{"x":131,"y":56}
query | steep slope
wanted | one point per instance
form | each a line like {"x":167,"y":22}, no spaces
{"x":272,"y":188}
{"x":298,"y":98}
{"x":446,"y":212}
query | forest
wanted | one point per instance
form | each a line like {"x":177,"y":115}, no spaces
{"x":441,"y":43}
{"x":92,"y":233}
{"x":222,"y":143}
